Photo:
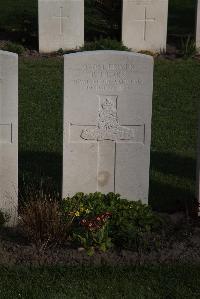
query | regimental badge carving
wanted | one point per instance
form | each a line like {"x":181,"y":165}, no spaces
{"x":108,"y":127}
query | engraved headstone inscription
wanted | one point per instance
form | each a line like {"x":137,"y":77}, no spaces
{"x":198,"y":27}
{"x":107,"y":123}
{"x":9,"y":134}
{"x":144,"y":25}
{"x":61,"y":24}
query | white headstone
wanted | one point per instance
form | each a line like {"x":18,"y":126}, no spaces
{"x":198,"y":27}
{"x":61,"y":24}
{"x":9,"y":134}
{"x":144,"y":25}
{"x":107,"y":123}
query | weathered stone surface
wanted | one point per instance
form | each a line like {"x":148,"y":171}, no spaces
{"x":61,"y":24}
{"x":198,"y":27}
{"x":9,"y":134}
{"x":107,"y":123}
{"x":144,"y":25}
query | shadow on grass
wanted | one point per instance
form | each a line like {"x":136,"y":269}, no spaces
{"x":170,"y":199}
{"x":165,"y":197}
{"x":40,"y":170}
{"x":170,"y":163}
{"x":43,"y":170}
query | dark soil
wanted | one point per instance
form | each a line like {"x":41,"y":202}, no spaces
{"x":180,"y":243}
{"x":172,"y":52}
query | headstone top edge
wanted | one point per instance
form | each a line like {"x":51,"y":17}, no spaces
{"x":8,"y":54}
{"x":111,"y":52}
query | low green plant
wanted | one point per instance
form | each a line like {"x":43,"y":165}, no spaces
{"x":131,"y":223}
{"x":92,"y":233}
{"x":90,"y":220}
{"x":104,"y":44}
{"x":13,"y":47}
{"x":91,"y":204}
{"x":100,"y":220}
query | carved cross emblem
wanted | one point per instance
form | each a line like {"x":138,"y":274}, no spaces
{"x":107,"y":134}
{"x":145,"y":20}
{"x":61,"y":18}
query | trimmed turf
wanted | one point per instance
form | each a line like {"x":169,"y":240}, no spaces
{"x":40,"y":118}
{"x":174,"y":133}
{"x":166,"y":282}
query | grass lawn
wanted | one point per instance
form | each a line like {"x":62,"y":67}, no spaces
{"x":40,"y":119}
{"x":172,"y":174}
{"x":174,"y":127}
{"x":160,"y":282}
{"x":174,"y":133}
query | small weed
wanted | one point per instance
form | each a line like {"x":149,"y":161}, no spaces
{"x":42,"y":218}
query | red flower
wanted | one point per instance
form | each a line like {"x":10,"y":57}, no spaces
{"x":97,"y":222}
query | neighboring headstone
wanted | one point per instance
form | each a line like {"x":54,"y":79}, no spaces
{"x":9,"y":134}
{"x":107,"y":123}
{"x":198,"y":166}
{"x":61,"y":24}
{"x":144,"y":25}
{"x":198,"y":27}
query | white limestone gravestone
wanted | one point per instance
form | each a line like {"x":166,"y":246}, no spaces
{"x":107,"y":123}
{"x":9,"y":134}
{"x":144,"y":24}
{"x":198,"y":27}
{"x":61,"y":24}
